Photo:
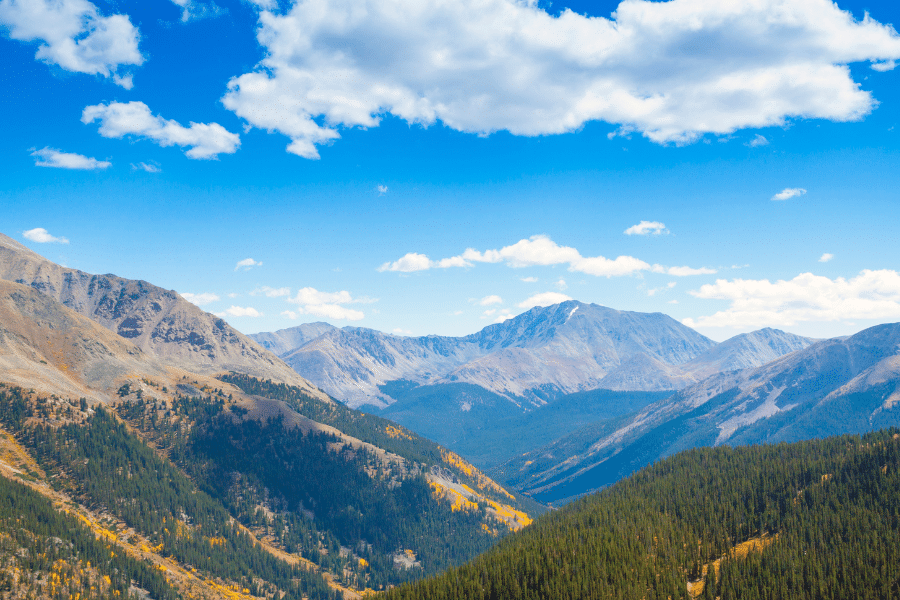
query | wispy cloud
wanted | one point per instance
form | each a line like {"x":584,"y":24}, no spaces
{"x":247,"y":263}
{"x":758,"y":141}
{"x":148,"y":167}
{"x":684,"y":271}
{"x":826,"y":257}
{"x":75,"y":36}
{"x":788,"y":193}
{"x":381,"y":189}
{"x":51,"y":157}
{"x":193,"y":10}
{"x":806,"y":297}
{"x":271,"y":292}
{"x":647,"y":228}
{"x":42,"y":236}
{"x":202,"y":140}
{"x":200,"y":299}
{"x":530,"y":279}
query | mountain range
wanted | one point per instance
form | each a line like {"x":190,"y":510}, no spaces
{"x":834,"y":386}
{"x":239,"y":473}
{"x":539,"y":355}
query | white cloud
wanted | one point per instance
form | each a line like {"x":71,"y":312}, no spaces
{"x":538,"y":250}
{"x":192,"y":10}
{"x":290,"y":315}
{"x":42,"y":236}
{"x":646,"y":228}
{"x":826,"y":257}
{"x":239,"y":311}
{"x":75,"y":36}
{"x":200,"y":299}
{"x":672,"y":71}
{"x":246,"y":264}
{"x":806,"y":297}
{"x":489,"y":300}
{"x":758,"y":141}
{"x":148,"y":167}
{"x":530,"y":279}
{"x":50,"y":157}
{"x":888,"y":65}
{"x":504,"y":315}
{"x":381,"y":189}
{"x":408,"y":263}
{"x":271,"y":292}
{"x":544,"y":299}
{"x":399,"y":331}
{"x":788,"y":193}
{"x":561,"y":284}
{"x":328,"y":304}
{"x":203,"y":140}
{"x":684,"y":271}
{"x":489,"y":312}
{"x":668,"y":286}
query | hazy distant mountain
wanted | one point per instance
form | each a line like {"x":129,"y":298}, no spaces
{"x":156,"y":320}
{"x":285,"y":340}
{"x":842,"y":385}
{"x":746,"y":351}
{"x":543,"y":352}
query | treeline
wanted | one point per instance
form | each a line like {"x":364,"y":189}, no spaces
{"x":107,"y":467}
{"x":825,"y":514}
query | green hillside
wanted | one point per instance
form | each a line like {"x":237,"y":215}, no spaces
{"x":809,"y":520}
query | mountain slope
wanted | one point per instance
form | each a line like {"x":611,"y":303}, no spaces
{"x":800,"y":521}
{"x":845,"y":385}
{"x":543,"y":352}
{"x":158,"y":321}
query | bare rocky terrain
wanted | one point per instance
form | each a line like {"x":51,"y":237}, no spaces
{"x":156,"y":320}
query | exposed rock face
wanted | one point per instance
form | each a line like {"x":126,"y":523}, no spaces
{"x":284,"y":340}
{"x":746,"y":351}
{"x":51,"y":348}
{"x":836,"y":386}
{"x":158,"y":321}
{"x":551,"y":350}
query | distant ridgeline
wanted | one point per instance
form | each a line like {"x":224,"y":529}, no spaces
{"x":807,"y":520}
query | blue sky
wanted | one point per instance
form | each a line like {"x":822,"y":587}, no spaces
{"x":433,"y":167}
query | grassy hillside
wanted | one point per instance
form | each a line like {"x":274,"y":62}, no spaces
{"x":814,"y":519}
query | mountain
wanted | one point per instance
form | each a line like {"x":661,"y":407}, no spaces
{"x":227,"y":484}
{"x":815,"y":519}
{"x":158,"y":321}
{"x":284,"y":340}
{"x":746,"y":351}
{"x":842,"y":385}
{"x":544,"y":352}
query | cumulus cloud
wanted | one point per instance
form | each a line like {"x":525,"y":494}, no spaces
{"x":42,"y":236}
{"x":271,"y":292}
{"x":530,"y":279}
{"x":246,"y":264}
{"x":203,"y":140}
{"x":806,"y":297}
{"x":538,"y":250}
{"x":489,"y":300}
{"x":328,"y":304}
{"x":50,"y":157}
{"x":381,"y":189}
{"x":239,"y":311}
{"x":74,"y":36}
{"x":788,"y":193}
{"x":647,"y":228}
{"x":672,"y":71}
{"x":826,"y":257}
{"x":200,"y":299}
{"x":758,"y":141}
{"x":544,"y":299}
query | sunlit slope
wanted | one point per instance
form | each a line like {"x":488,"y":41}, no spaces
{"x":815,"y":519}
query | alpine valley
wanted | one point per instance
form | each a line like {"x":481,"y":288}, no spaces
{"x":150,"y":450}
